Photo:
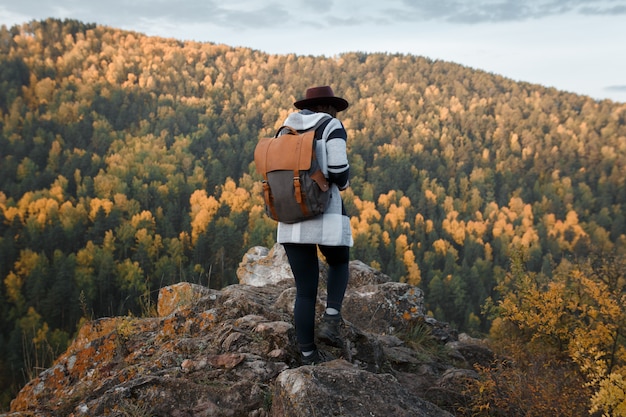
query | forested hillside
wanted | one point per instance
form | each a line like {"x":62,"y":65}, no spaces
{"x":126,"y":165}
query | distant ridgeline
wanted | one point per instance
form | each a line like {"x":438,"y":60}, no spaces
{"x":126,"y":166}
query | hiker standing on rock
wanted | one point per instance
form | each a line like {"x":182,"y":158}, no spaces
{"x":329,"y":231}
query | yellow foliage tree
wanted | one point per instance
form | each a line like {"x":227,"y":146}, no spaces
{"x":455,"y":228}
{"x":579,"y":314}
{"x":96,"y":204}
{"x":405,"y":253}
{"x":237,"y":198}
{"x":203,"y":208}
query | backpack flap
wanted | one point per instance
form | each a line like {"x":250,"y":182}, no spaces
{"x":284,"y":152}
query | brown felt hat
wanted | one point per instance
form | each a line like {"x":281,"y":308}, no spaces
{"x":321,"y":95}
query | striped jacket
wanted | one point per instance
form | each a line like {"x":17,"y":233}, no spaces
{"x":333,"y":227}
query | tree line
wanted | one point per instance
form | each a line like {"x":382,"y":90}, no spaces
{"x":126,"y":165}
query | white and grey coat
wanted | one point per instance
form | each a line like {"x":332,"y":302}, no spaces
{"x":333,"y":227}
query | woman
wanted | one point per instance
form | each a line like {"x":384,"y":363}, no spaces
{"x":330,"y":231}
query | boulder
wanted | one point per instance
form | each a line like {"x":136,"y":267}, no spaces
{"x":339,"y":389}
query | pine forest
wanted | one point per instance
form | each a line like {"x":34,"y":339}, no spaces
{"x":126,"y":164}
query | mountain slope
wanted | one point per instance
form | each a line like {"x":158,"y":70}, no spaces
{"x":126,"y":166}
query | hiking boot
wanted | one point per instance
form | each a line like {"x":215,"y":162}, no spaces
{"x":329,"y":331}
{"x":317,"y":357}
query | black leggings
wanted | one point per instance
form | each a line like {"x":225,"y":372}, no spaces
{"x":304,"y":265}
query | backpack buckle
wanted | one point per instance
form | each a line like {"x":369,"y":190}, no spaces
{"x":297,"y":189}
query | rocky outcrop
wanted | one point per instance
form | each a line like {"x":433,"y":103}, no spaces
{"x":232,"y":353}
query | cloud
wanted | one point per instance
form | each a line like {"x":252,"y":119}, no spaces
{"x":175,"y":12}
{"x":242,"y":18}
{"x":470,"y":11}
{"x":237,"y":14}
{"x":616,"y":88}
{"x":250,"y":14}
{"x":614,"y":10}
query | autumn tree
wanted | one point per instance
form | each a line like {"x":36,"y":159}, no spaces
{"x":573,"y":324}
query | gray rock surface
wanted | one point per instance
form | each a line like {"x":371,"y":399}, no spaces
{"x":231,"y":352}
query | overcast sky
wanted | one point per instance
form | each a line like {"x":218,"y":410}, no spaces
{"x":573,"y":45}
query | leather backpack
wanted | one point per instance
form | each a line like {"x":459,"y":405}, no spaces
{"x":294,"y":186}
